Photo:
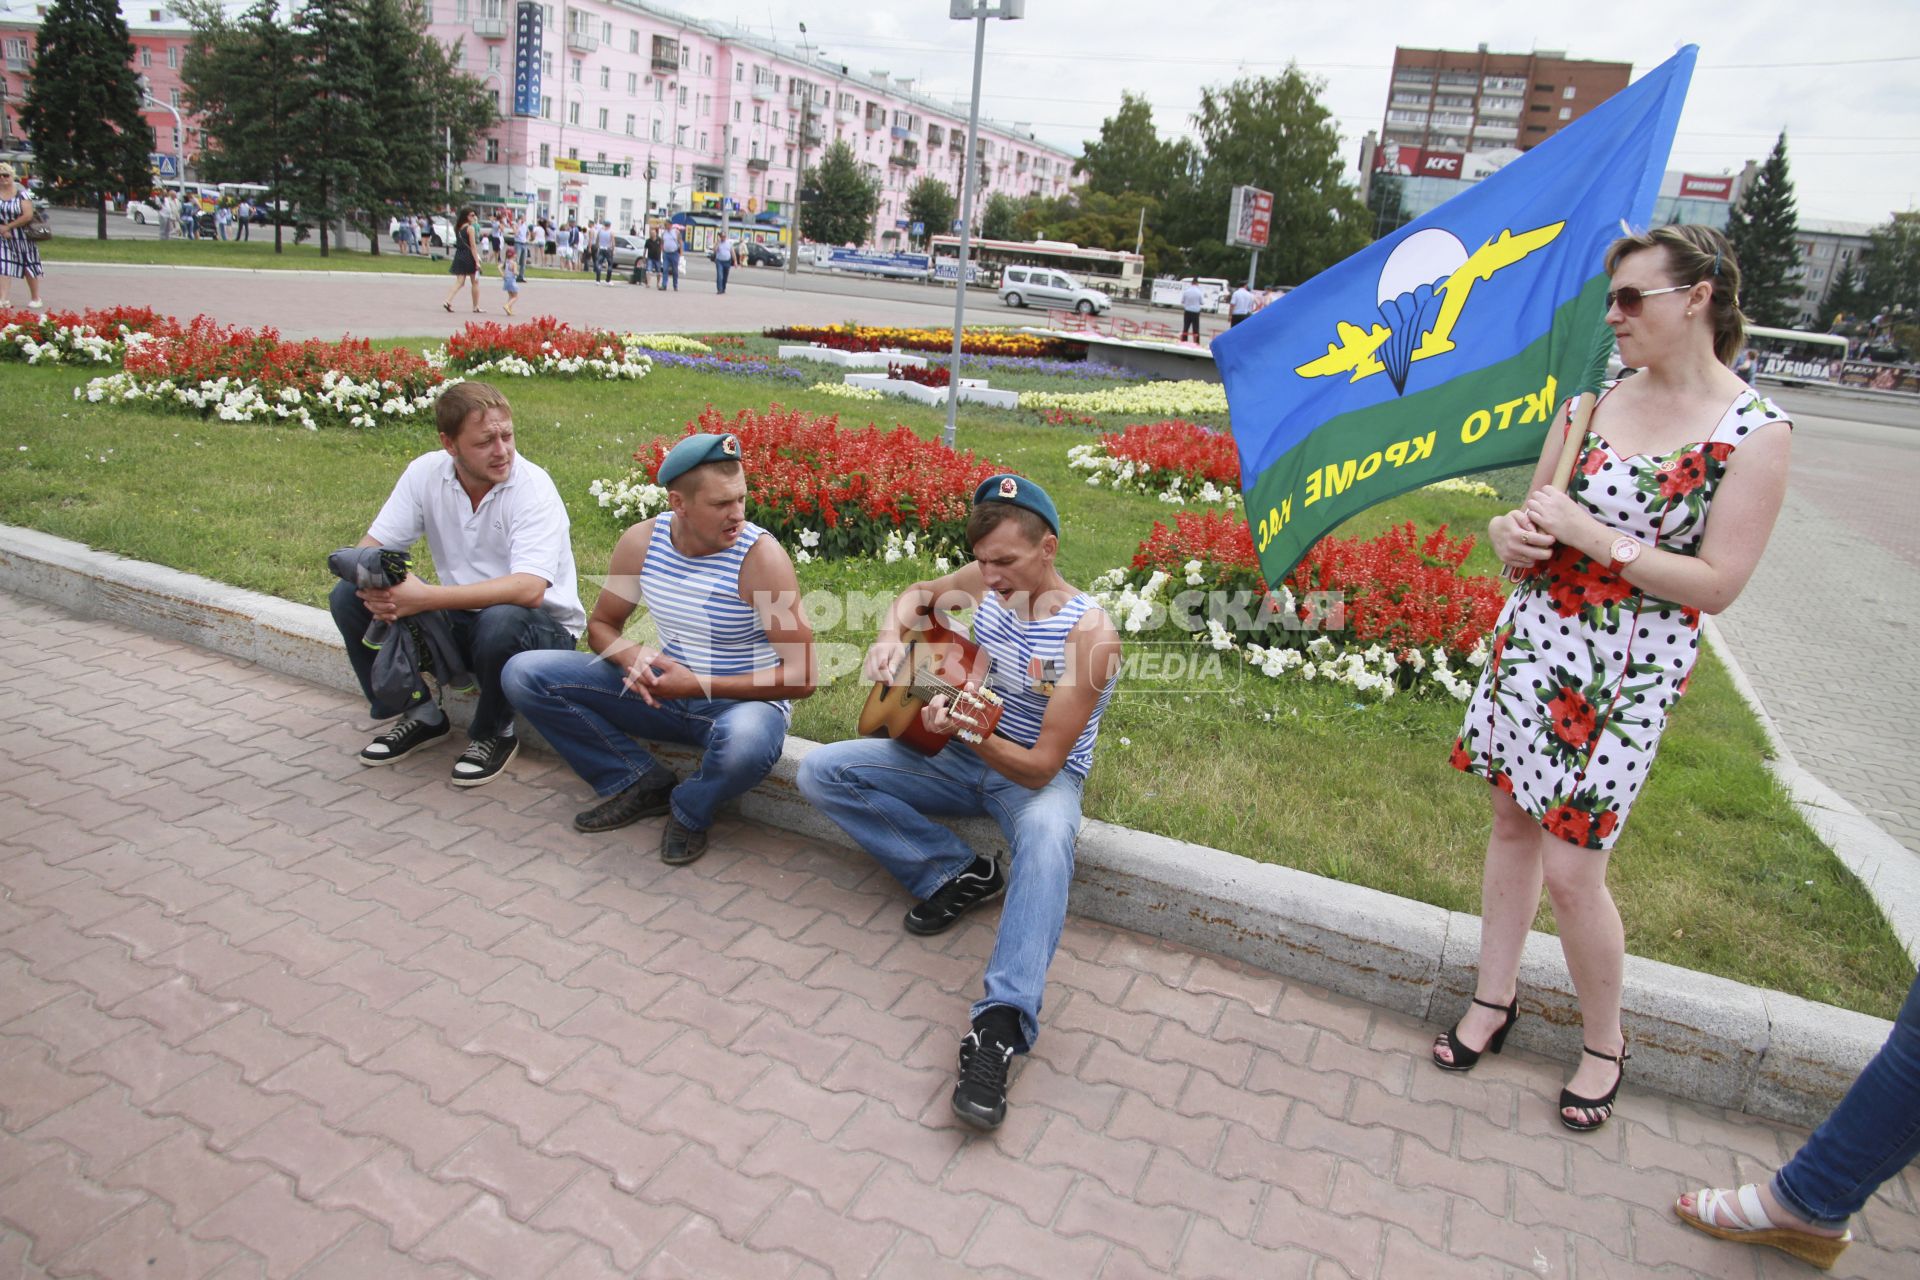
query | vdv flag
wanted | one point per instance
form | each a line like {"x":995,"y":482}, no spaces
{"x":1444,"y":348}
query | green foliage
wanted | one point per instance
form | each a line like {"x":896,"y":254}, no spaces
{"x":841,"y":199}
{"x":1130,"y":156}
{"x":1763,"y":229}
{"x":998,"y":221}
{"x":931,"y":202}
{"x":1844,"y":296}
{"x":82,"y":106}
{"x":1097,"y":220}
{"x":242,"y":80}
{"x":1893,"y":265}
{"x":335,"y":115}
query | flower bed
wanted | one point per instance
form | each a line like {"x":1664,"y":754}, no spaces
{"x":1088,"y":370}
{"x":738,"y":366}
{"x":932,"y":375}
{"x":1175,"y":460}
{"x":845,"y":392}
{"x":82,"y":337}
{"x":1189,"y":399}
{"x":828,"y":492}
{"x":675,"y":343}
{"x":1408,"y":618}
{"x":543,"y":345}
{"x":247,"y":375}
{"x":983,"y":342}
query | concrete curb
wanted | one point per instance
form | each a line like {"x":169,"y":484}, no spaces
{"x":1701,"y":1038}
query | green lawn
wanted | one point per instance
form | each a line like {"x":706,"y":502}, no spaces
{"x":1716,"y":871}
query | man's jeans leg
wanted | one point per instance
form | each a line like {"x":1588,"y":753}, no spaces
{"x":673,"y":270}
{"x":1041,"y":827}
{"x":1871,"y":1136}
{"x":720,"y":270}
{"x":490,"y":638}
{"x":353,"y":619}
{"x":886,"y":795}
{"x":580,"y":706}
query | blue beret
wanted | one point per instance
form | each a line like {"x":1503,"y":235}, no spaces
{"x":695,"y":451}
{"x":1021,"y":492}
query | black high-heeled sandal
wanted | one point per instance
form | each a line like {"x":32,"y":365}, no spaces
{"x":1570,"y":1100}
{"x":1465,"y":1058}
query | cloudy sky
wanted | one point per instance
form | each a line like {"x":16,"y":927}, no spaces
{"x":1839,"y":76}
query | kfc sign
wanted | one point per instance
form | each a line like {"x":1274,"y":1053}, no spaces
{"x":1696,"y":187}
{"x":1440,"y":164}
{"x":1418,"y":162}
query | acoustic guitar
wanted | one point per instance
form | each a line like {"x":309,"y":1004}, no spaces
{"x":939,"y":662}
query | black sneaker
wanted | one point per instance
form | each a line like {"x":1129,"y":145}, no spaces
{"x":644,"y":799}
{"x":980,"y":1094}
{"x":680,"y":844}
{"x":982,"y":882}
{"x":483,"y":760}
{"x":402,"y":738}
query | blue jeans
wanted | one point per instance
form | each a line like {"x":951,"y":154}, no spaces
{"x":579,"y":704}
{"x":1871,"y":1136}
{"x":671,"y":271}
{"x":487,"y":639}
{"x":885,"y":796}
{"x":720,"y":270}
{"x":603,"y":262}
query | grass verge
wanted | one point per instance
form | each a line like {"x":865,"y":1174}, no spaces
{"x":1716,"y":871}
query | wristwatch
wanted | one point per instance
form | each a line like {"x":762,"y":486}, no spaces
{"x":1625,"y":551}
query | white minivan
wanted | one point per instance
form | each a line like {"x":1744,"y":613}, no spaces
{"x":1045,"y":287}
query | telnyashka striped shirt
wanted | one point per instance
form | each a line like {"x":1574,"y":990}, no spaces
{"x":695,"y":602}
{"x":1029,"y":658}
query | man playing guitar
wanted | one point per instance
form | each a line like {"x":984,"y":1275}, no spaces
{"x":1054,"y":659}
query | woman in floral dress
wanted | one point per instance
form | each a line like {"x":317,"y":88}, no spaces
{"x":19,"y":256}
{"x":1594,"y":647}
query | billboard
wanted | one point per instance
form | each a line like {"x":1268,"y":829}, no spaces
{"x":1250,"y":217}
{"x":1694,"y":186}
{"x":527,"y":30}
{"x":1418,"y":162}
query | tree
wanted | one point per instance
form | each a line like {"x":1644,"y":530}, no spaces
{"x":82,"y":107}
{"x":1096,"y":220}
{"x":1892,"y":281}
{"x":841,"y":199}
{"x":997,"y":220}
{"x":931,"y":203}
{"x":1270,"y":132}
{"x":1844,"y":296}
{"x":1763,"y":229}
{"x":242,"y":80}
{"x":1130,"y":155}
{"x":334,"y":116}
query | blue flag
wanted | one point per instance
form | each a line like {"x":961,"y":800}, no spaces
{"x":1444,"y":348}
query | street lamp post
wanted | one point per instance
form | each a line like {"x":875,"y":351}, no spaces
{"x":977,"y":11}
{"x":179,"y":139}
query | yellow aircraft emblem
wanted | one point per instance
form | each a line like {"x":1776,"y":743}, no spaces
{"x":1423,"y":289}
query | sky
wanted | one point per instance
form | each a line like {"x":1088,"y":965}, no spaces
{"x":1839,"y":76}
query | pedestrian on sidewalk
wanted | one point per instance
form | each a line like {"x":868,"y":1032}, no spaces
{"x":1191,"y":300}
{"x":1242,"y":305}
{"x":169,"y":208}
{"x":670,"y":257}
{"x":1871,"y":1136}
{"x":723,"y":676}
{"x":466,"y":261}
{"x":510,"y":277}
{"x":1054,"y":659}
{"x":654,"y":257}
{"x":722,"y":262}
{"x":500,"y":540}
{"x":243,"y":220}
{"x":19,"y":256}
{"x":603,"y":253}
{"x":1596,"y":644}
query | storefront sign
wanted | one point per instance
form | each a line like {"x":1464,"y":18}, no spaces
{"x":1694,"y":186}
{"x":526,"y":59}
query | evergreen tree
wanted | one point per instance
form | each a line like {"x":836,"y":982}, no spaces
{"x":82,"y":107}
{"x":1763,"y":229}
{"x":930,"y":202}
{"x":1000,"y":218}
{"x":1844,"y":297}
{"x":242,"y":80}
{"x":841,"y":199}
{"x":334,"y":117}
{"x":1893,"y":266}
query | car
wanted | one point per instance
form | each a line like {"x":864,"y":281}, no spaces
{"x":1043,"y":286}
{"x":765,"y":255}
{"x":628,"y":250}
{"x":143,"y":212}
{"x":439,"y":234}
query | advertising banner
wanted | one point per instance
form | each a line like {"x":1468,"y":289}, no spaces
{"x":1250,"y":217}
{"x":1694,"y":186}
{"x":879,"y":264}
{"x":526,"y":59}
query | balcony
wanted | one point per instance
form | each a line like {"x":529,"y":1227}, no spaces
{"x":764,"y":91}
{"x":757,"y":164}
{"x":846,"y":115}
{"x":906,"y":158}
{"x":1494,"y":131}
{"x":581,"y":42}
{"x":666,"y":54}
{"x":17,"y":63}
{"x":493,"y":27}
{"x":876,"y":120}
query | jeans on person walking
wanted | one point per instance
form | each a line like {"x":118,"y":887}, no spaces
{"x":581,"y":706}
{"x":603,"y":265}
{"x":487,"y":638}
{"x":720,"y":270}
{"x":886,"y":796}
{"x":1871,"y":1136}
{"x":670,"y":270}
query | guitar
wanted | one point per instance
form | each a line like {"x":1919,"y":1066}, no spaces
{"x":939,"y":661}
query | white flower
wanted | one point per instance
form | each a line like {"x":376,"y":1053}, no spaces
{"x":809,"y":537}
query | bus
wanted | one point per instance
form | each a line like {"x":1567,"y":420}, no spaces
{"x":1112,"y":271}
{"x":1795,"y":357}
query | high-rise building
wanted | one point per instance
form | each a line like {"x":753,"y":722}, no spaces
{"x":1444,"y":103}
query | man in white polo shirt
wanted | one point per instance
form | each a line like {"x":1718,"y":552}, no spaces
{"x":499,"y":536}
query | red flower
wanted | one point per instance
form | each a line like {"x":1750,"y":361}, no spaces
{"x":1568,"y":823}
{"x":1461,"y":759}
{"x":1176,"y":448}
{"x":1574,"y":583}
{"x":1603,"y":825}
{"x":1573,"y":717}
{"x":1592,"y":461}
{"x":1718,"y":450}
{"x":1502,"y":781}
{"x":1682,"y":475}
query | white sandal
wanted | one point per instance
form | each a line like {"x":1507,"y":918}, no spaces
{"x":1713,"y":1214}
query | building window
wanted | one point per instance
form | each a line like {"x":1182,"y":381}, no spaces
{"x":633,"y":84}
{"x":736,"y":112}
{"x":173,"y":96}
{"x":606,"y":33}
{"x":546,"y":155}
{"x":573,"y":153}
{"x":546,"y":63}
{"x":1568,"y":95}
{"x":493,"y":55}
{"x":576,"y":71}
{"x":658,"y":133}
{"x":146,"y":56}
{"x":493,"y":151}
{"x":703,"y":140}
{"x":683,"y":95}
{"x":573,"y":113}
{"x":659,"y":90}
{"x":603,"y":117}
{"x":606,"y":77}
{"x":706,"y":64}
{"x":1566,"y":113}
{"x":173,"y":57}
{"x":631,"y":122}
{"x":546,"y":106}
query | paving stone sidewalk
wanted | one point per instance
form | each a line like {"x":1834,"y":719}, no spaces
{"x":266,"y":1013}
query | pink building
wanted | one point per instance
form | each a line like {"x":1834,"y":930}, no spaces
{"x":160,"y":40}
{"x":638,"y":108}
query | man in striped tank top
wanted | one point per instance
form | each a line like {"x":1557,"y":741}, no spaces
{"x":1055,"y":658}
{"x":735,"y":646}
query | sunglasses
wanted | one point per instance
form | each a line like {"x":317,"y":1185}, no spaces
{"x":1628,"y":298}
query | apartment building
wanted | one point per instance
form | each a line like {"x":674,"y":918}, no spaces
{"x":1443,"y":103}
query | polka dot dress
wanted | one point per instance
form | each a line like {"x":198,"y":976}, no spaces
{"x":1583,"y":668}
